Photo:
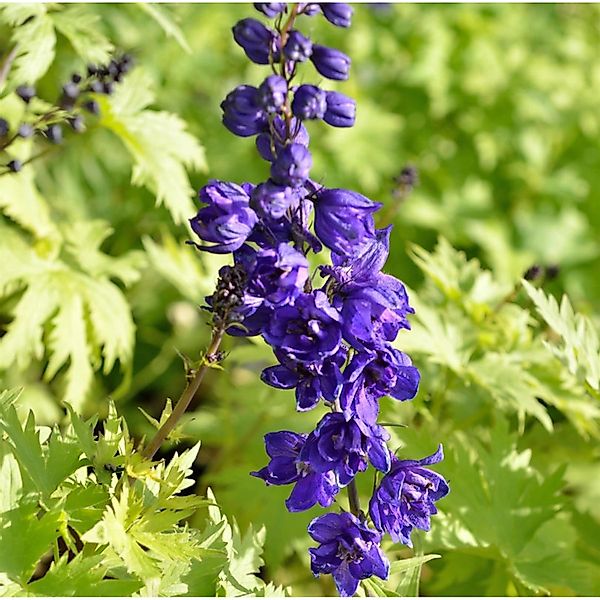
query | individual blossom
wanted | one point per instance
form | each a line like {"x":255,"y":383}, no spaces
{"x":298,"y":47}
{"x":337,"y":13}
{"x":285,"y":467}
{"x":270,"y":9}
{"x":275,"y":275}
{"x":371,"y":375}
{"x":292,"y":165}
{"x":311,"y":380}
{"x":406,"y":497}
{"x":309,"y":102}
{"x":227,"y":220}
{"x":348,"y":550}
{"x":258,"y":41}
{"x":340,"y":110}
{"x":345,"y":446}
{"x":308,"y":330}
{"x":272,"y":93}
{"x":344,"y":220}
{"x":242,"y":113}
{"x":331,"y":63}
{"x":271,"y":200}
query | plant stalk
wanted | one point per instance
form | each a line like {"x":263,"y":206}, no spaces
{"x":186,"y":397}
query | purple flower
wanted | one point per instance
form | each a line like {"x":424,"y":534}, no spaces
{"x":292,"y":165}
{"x":242,"y":114}
{"x":274,"y":275}
{"x":297,"y":47}
{"x":348,"y":550}
{"x":345,"y":447}
{"x":265,"y":140}
{"x":270,"y":9}
{"x":371,"y":375}
{"x":344,"y":220}
{"x":373,"y":311}
{"x":228,"y":220}
{"x":272,"y":93}
{"x":258,"y":42}
{"x":331,"y":63}
{"x":272,"y":200}
{"x":309,"y":330}
{"x":406,"y":495}
{"x":285,"y":467}
{"x":312,"y":381}
{"x":340,"y":111}
{"x":338,"y":13}
{"x":309,"y":102}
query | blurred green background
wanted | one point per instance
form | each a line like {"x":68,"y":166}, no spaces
{"x":497,"y":106}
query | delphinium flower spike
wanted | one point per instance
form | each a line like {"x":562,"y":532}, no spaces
{"x":332,"y":343}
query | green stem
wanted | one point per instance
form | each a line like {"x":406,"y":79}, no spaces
{"x":353,"y":499}
{"x":186,"y":397}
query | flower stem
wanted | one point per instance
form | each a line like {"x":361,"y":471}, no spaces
{"x":353,"y":498}
{"x":210,"y":358}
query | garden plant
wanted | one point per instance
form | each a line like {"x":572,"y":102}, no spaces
{"x":299,"y":299}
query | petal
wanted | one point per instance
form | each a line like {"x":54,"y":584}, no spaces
{"x":345,"y":582}
{"x":279,"y":377}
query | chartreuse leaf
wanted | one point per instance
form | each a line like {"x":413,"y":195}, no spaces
{"x":24,"y":538}
{"x":82,"y":29}
{"x":82,"y":576}
{"x":502,"y":510}
{"x":72,"y":295}
{"x":161,"y":147}
{"x":580,"y":345}
{"x":165,"y":19}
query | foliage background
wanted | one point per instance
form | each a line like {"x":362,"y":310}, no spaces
{"x":497,"y":106}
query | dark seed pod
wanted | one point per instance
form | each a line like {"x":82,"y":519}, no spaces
{"x":25,"y":130}
{"x":4,"y":127}
{"x":76,"y":78}
{"x":55,"y":133}
{"x":15,"y":165}
{"x":77,"y":123}
{"x":92,"y":107}
{"x":25,"y":92}
{"x":532,"y":273}
{"x":552,"y":272}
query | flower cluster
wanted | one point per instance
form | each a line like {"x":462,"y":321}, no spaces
{"x":76,"y":97}
{"x":331,"y":331}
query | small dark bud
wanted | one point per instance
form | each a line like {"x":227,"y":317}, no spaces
{"x":55,"y":133}
{"x":113,"y":68}
{"x":92,"y":70}
{"x":97,"y":87}
{"x":15,"y":165}
{"x":25,"y":130}
{"x":126,"y":63}
{"x":552,"y":272}
{"x":76,"y":78}
{"x":532,"y":273}
{"x":409,"y":177}
{"x":108,"y":88}
{"x":71,"y":90}
{"x":77,"y":124}
{"x":4,"y":127}
{"x":25,"y":92}
{"x":92,"y":107}
{"x":102,"y":71}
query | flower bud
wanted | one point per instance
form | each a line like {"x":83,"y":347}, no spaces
{"x":344,"y":220}
{"x":341,"y":110}
{"x":309,"y":102}
{"x":25,"y":92}
{"x":264,"y":140}
{"x":338,"y":13}
{"x":258,"y":42}
{"x":242,"y":114}
{"x":14,"y":166}
{"x":270,"y":9}
{"x":298,"y":47}
{"x":292,"y":165}
{"x":272,"y":93}
{"x":54,"y":133}
{"x":4,"y":127}
{"x":331,"y":63}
